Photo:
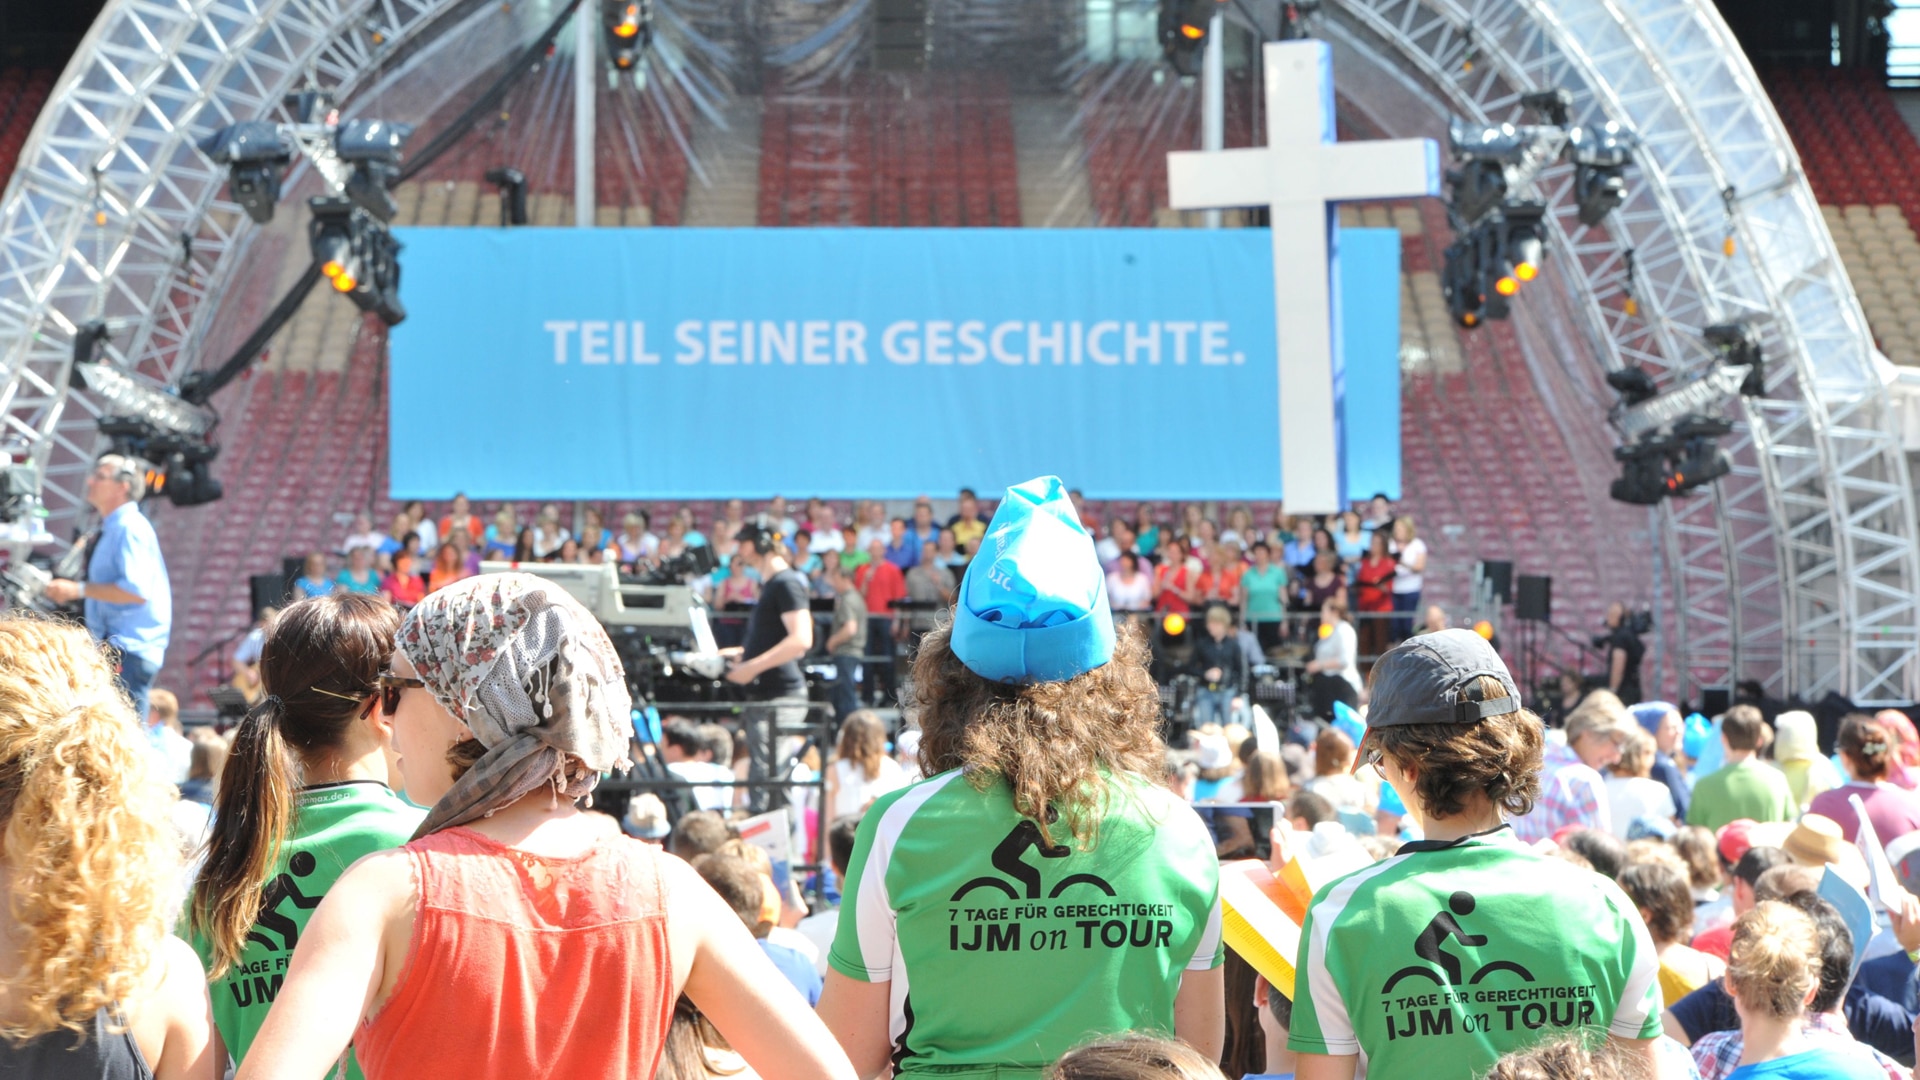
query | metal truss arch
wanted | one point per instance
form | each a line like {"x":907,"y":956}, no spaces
{"x":1800,"y":571}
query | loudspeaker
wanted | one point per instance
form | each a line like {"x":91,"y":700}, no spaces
{"x":1498,"y":574}
{"x":1715,"y":700}
{"x":1534,"y":599}
{"x":268,"y":590}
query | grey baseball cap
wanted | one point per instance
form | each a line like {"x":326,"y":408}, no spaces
{"x":1431,"y":679}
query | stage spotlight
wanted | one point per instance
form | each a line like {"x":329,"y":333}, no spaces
{"x":87,"y":339}
{"x":357,"y":256}
{"x":256,"y":153}
{"x":188,"y":479}
{"x":1520,"y":243}
{"x":1183,"y":31}
{"x":1477,"y":187}
{"x":1738,"y":343}
{"x":1634,"y":385}
{"x":1642,"y":480}
{"x":628,"y":26}
{"x":1460,"y":279}
{"x":1600,"y":157}
{"x":373,"y":148}
{"x":513,"y":194}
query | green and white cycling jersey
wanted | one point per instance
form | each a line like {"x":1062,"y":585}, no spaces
{"x":1003,"y":953}
{"x":1437,"y":961}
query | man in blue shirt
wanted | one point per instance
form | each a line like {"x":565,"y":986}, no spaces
{"x":129,"y":601}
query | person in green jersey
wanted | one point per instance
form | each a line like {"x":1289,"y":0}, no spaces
{"x":1038,"y":889}
{"x":1467,"y":944}
{"x":304,"y":794}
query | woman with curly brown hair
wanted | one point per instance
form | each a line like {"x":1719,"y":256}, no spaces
{"x":91,"y":986}
{"x":1039,"y":885}
{"x":1467,"y":944}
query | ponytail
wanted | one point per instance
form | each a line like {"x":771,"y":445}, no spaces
{"x":253,"y":813}
{"x":318,"y":665}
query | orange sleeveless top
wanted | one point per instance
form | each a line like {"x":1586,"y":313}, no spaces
{"x":524,"y":966}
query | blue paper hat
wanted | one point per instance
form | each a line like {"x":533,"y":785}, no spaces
{"x":1033,"y":604}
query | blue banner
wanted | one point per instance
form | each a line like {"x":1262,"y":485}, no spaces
{"x":695,"y":363}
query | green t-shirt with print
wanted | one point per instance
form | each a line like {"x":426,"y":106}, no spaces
{"x":1003,"y":953}
{"x":1439,"y":960}
{"x":333,"y":826}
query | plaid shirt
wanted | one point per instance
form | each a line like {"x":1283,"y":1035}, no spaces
{"x":1718,"y":1053}
{"x":1571,"y":793}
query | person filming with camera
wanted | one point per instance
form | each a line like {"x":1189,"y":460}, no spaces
{"x":779,"y":633}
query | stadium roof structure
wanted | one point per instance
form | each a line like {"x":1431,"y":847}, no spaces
{"x":1800,"y":570}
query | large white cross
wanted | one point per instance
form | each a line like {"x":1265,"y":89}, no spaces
{"x":1299,"y":175}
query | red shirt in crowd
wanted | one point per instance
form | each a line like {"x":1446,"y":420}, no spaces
{"x":880,"y":583}
{"x":1375,"y":578}
{"x":1168,"y":578}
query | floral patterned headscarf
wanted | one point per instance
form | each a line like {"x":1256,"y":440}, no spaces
{"x":533,"y":675}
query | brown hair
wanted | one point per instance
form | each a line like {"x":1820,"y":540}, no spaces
{"x":738,"y":884}
{"x":683,"y":1054}
{"x":1696,"y":845}
{"x":1636,"y":753}
{"x":1265,"y":777}
{"x":1665,"y":902}
{"x":863,"y":741}
{"x":1741,"y":726}
{"x":1868,"y":744}
{"x":1567,"y":1059}
{"x":318,"y":667}
{"x":1774,"y":961}
{"x":1134,"y":1057}
{"x":85,"y":830}
{"x":1332,"y":752}
{"x":1499,"y":755}
{"x":1050,"y":741}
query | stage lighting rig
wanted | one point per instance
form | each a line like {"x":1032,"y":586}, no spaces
{"x":357,"y":256}
{"x":1600,"y":158}
{"x":146,"y":420}
{"x":1183,"y":31}
{"x":629,"y":31}
{"x":256,"y":153}
{"x":372,"y":148}
{"x":1738,"y":345}
{"x":513,"y":194}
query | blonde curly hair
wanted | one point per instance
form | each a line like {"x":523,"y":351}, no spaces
{"x":87,"y":842}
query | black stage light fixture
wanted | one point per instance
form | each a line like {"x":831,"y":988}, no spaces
{"x":373,"y":148}
{"x":1521,"y":227}
{"x":1738,"y":342}
{"x":1643,"y":474}
{"x":1553,"y":105}
{"x":1600,"y":158}
{"x":1698,"y":460}
{"x":1478,"y":186}
{"x":331,"y":237}
{"x":358,"y":256}
{"x":1183,"y":32}
{"x":513,"y":194}
{"x":628,"y":26}
{"x":88,"y":338}
{"x":188,"y":479}
{"x":1460,"y":283}
{"x":1633,"y":383}
{"x":256,"y":154}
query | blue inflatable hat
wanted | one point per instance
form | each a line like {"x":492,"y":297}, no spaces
{"x":1347,"y":722}
{"x":1033,"y":604}
{"x":1650,"y":713}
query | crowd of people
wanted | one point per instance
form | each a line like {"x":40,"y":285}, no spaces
{"x":399,"y":868}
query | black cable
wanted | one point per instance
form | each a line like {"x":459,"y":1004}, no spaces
{"x":523,"y":63}
{"x":199,"y":387}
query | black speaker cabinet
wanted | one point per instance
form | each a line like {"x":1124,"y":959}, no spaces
{"x":1499,"y":574}
{"x":1534,"y":598}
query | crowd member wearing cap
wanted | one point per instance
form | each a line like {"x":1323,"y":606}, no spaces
{"x":302,"y":797}
{"x":512,"y":907}
{"x":1439,"y":960}
{"x":1040,"y":886}
{"x":1796,"y":753}
{"x":1745,"y":787}
{"x":1572,"y":790}
{"x":1664,"y":722}
{"x":1868,"y":751}
{"x":767,"y":663}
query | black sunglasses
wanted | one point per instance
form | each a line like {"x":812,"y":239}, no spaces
{"x":391,"y":686}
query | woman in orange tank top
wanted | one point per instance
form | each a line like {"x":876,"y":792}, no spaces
{"x":517,"y":936}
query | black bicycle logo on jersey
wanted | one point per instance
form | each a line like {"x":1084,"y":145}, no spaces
{"x":1008,"y":858}
{"x":283,"y":888}
{"x":1446,"y":925}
